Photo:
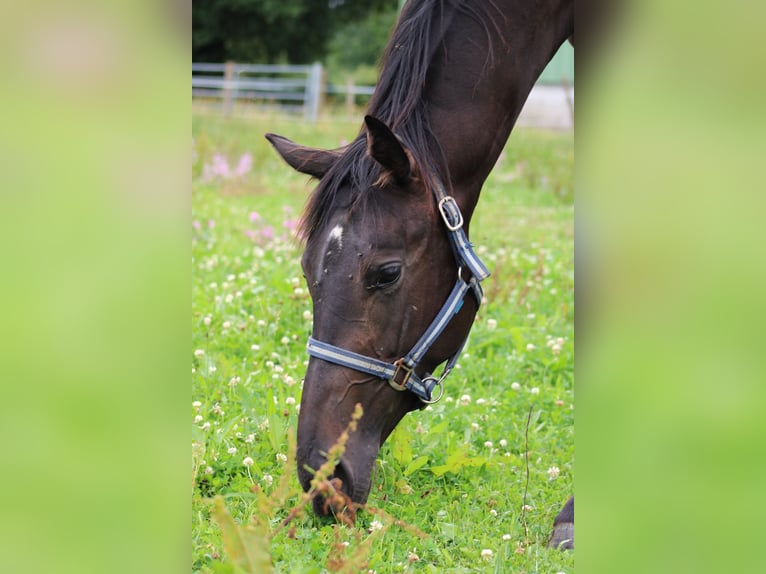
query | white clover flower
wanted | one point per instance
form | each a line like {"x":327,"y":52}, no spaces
{"x":199,"y":353}
{"x":474,"y":427}
{"x":250,"y":438}
{"x":493,"y":512}
{"x":290,"y":400}
{"x":268,"y":479}
{"x":531,"y":347}
{"x":488,"y":444}
{"x":526,"y":507}
{"x":261,"y":323}
{"x":206,"y":321}
{"x":198,"y":419}
{"x":285,"y":340}
{"x":206,"y":426}
{"x":255,"y":347}
{"x":209,"y":470}
{"x":515,"y":386}
{"x":248,"y":462}
{"x":413,"y":556}
{"x":534,"y":391}
{"x":503,"y":443}
{"x":506,"y":537}
{"x":491,"y":324}
{"x":196,"y":404}
{"x":232,"y":450}
{"x":375,"y":525}
{"x":480,"y":401}
{"x":281,"y":457}
{"x":465,"y":400}
{"x":226,"y":324}
{"x":486,"y":554}
{"x":212,"y":369}
{"x":553,"y":472}
{"x":229,"y":298}
{"x":307,"y":315}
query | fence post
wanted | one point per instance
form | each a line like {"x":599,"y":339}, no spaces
{"x":228,"y":88}
{"x":313,"y":93}
{"x":350,"y":97}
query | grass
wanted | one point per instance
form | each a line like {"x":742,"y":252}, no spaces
{"x":450,"y":481}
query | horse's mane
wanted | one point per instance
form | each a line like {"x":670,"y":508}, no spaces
{"x":398,"y":102}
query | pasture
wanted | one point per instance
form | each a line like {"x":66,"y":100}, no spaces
{"x":450,"y":482}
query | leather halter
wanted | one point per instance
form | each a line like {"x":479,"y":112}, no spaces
{"x":401,"y":373}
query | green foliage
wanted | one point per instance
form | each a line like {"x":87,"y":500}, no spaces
{"x":246,"y":546}
{"x":360,"y":44}
{"x":297,"y":31}
{"x":455,"y":471}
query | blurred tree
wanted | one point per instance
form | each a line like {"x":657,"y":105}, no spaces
{"x":297,"y":31}
{"x":361,"y":43}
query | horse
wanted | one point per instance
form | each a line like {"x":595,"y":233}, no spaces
{"x":394,"y":280}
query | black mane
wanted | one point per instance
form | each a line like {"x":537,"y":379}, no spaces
{"x":398,"y":102}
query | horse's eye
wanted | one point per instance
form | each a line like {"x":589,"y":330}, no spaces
{"x":387,"y":275}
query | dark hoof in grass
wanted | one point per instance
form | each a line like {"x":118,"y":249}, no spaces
{"x":562,"y":536}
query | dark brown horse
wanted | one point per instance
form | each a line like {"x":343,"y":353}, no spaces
{"x":386,"y":228}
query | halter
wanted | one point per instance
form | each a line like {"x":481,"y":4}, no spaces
{"x":401,"y":373}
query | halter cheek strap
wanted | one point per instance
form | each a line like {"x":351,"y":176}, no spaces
{"x":401,"y":373}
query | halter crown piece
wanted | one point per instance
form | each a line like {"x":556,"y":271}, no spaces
{"x":401,"y":373}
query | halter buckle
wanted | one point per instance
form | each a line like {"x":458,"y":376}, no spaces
{"x":449,"y":209}
{"x":400,"y":377}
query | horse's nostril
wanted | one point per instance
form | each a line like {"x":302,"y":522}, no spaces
{"x":338,"y":501}
{"x":342,"y":473}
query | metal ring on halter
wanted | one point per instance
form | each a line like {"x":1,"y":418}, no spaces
{"x":437,"y":383}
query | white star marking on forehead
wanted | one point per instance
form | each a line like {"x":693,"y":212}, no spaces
{"x":334,"y":236}
{"x":337,"y":234}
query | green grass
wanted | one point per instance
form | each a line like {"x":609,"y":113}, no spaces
{"x":437,"y":473}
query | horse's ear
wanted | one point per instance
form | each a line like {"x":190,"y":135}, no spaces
{"x":385,"y":148}
{"x":308,"y":160}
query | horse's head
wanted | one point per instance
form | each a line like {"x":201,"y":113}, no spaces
{"x":379,"y":267}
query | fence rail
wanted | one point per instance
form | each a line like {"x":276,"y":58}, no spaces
{"x":293,"y":89}
{"x":290,"y":88}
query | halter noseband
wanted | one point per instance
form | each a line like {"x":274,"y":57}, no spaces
{"x":401,"y":373}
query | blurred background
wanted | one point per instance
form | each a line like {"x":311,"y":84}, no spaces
{"x":311,"y":58}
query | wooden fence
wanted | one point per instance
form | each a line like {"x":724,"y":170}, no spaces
{"x":302,"y":89}
{"x":289,"y":88}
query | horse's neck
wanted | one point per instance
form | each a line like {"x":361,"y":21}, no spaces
{"x":475,"y":94}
